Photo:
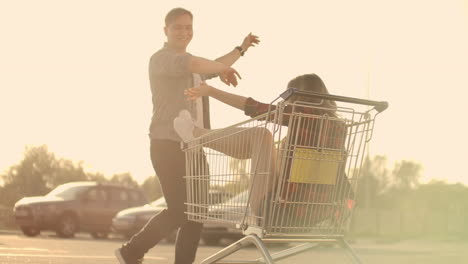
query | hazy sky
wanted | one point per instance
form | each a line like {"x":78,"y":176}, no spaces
{"x":73,"y":74}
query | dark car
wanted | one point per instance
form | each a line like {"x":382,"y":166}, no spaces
{"x":74,"y":206}
{"x":129,"y":221}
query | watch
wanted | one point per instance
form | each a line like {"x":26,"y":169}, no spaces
{"x":239,"y":48}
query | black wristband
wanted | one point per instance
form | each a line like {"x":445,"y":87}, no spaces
{"x":239,"y":48}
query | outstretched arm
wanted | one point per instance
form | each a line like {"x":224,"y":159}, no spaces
{"x":222,"y":65}
{"x":172,"y":64}
{"x":230,"y":58}
{"x":204,"y":66}
{"x":233,"y":100}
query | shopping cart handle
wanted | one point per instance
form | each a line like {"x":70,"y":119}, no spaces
{"x":379,"y":106}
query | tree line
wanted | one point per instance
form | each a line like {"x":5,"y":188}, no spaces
{"x":380,"y":187}
{"x":40,"y":171}
{"x":400,"y":188}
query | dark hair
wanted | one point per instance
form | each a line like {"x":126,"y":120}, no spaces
{"x":310,"y":82}
{"x":175,"y":13}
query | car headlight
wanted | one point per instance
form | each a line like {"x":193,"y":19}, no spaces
{"x":125,"y":218}
{"x":21,"y":211}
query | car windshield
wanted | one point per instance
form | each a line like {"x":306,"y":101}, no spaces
{"x":68,"y":191}
{"x":161,"y":202}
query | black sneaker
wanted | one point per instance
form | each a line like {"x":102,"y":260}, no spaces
{"x":125,"y":257}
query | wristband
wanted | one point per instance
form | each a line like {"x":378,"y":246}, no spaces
{"x":239,"y":48}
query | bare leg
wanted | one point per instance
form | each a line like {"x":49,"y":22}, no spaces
{"x":256,"y":144}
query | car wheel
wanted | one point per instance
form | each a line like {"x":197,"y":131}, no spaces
{"x":67,"y":226}
{"x":30,"y":231}
{"x":211,"y":239}
{"x":100,"y":234}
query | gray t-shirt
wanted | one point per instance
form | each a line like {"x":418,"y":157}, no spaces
{"x":169,"y":77}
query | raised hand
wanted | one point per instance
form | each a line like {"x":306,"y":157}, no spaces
{"x":249,"y":41}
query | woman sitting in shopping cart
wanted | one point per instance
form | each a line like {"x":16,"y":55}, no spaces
{"x":258,"y":143}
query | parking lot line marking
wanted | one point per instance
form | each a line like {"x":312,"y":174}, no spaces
{"x":34,"y":249}
{"x":69,"y":256}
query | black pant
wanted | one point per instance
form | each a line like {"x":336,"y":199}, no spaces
{"x":169,"y":163}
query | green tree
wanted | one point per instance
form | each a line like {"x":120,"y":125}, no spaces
{"x":406,"y":174}
{"x":440,"y":196}
{"x":372,"y":182}
{"x":152,"y":188}
{"x":125,"y":179}
{"x":40,"y":171}
{"x":403,"y":181}
{"x":96,"y":176}
{"x":36,"y":174}
{"x":26,"y":176}
{"x":64,"y":171}
{"x":32,"y":176}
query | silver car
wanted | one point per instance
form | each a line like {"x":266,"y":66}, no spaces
{"x":233,"y":211}
{"x":129,"y":221}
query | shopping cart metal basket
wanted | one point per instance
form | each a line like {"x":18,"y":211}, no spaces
{"x":294,"y":169}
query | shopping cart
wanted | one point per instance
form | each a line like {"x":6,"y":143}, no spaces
{"x":294,"y":169}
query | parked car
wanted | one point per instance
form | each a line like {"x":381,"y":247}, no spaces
{"x":231,"y":210}
{"x":129,"y":221}
{"x":74,"y":206}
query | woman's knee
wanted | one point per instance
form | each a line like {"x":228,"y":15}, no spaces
{"x":262,"y":134}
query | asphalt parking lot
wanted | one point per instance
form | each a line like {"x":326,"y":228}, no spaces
{"x":47,"y":248}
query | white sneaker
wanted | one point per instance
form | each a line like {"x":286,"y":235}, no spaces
{"x":183,"y":125}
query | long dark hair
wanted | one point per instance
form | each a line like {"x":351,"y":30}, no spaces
{"x":311,"y":82}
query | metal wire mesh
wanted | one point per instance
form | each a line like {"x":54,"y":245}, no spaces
{"x":292,"y":171}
